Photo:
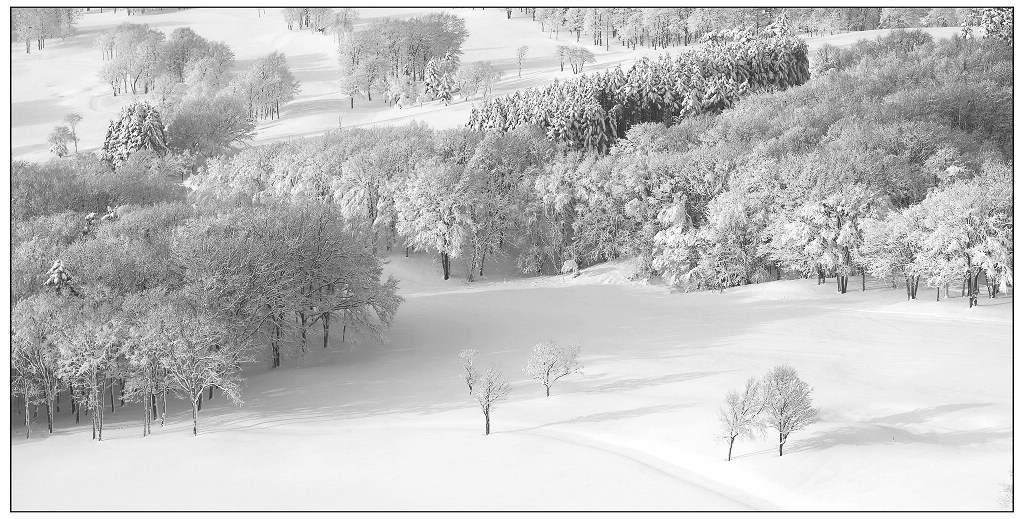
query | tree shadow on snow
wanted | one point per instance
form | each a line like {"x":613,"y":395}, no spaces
{"x":640,"y":383}
{"x":609,"y":416}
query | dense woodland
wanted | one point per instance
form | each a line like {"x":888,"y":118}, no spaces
{"x":130,"y":283}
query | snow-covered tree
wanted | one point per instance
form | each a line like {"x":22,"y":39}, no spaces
{"x":58,"y":140}
{"x":550,"y":361}
{"x":72,"y":120}
{"x":892,"y":248}
{"x":520,"y":58}
{"x":198,"y":351}
{"x":34,"y":356}
{"x":968,"y":229}
{"x":469,"y":373}
{"x":787,"y":402}
{"x":489,"y":389}
{"x":137,"y":127}
{"x":825,"y":235}
{"x":740,"y":418}
{"x":439,"y":79}
{"x":431,"y":211}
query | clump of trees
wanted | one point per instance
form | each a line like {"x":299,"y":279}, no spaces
{"x":780,"y":400}
{"x":424,"y":48}
{"x":124,"y":290}
{"x":36,"y":24}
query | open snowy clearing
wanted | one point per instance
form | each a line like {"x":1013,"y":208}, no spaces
{"x":63,"y":78}
{"x":915,"y":404}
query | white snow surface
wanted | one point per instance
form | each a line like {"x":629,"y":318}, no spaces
{"x":915,"y":402}
{"x":63,"y":78}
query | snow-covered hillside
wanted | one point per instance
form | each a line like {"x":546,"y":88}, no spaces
{"x":63,"y":78}
{"x":915,"y":402}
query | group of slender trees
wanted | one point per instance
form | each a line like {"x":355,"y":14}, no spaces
{"x":395,"y":55}
{"x":36,"y":24}
{"x":547,"y":363}
{"x":780,"y":399}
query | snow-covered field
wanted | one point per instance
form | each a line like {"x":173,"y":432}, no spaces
{"x":63,"y":78}
{"x":915,"y":404}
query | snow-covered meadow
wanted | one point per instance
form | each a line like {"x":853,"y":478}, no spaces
{"x":915,"y":402}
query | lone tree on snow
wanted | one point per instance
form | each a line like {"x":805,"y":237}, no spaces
{"x":520,"y":57}
{"x":550,"y":362}
{"x":740,"y":416}
{"x":787,"y":402}
{"x":492,"y":387}
{"x":469,"y":373}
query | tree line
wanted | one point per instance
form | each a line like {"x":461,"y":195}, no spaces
{"x":662,"y":27}
{"x":715,"y":200}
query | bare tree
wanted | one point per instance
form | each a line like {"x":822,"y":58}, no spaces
{"x":550,"y":362}
{"x":492,"y":387}
{"x":469,"y":373}
{"x":739,"y":417}
{"x":520,"y":57}
{"x":787,"y":402}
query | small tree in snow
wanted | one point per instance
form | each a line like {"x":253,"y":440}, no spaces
{"x":520,"y":57}
{"x":72,"y":120}
{"x":787,"y":402}
{"x":570,"y":266}
{"x":59,"y":138}
{"x":492,"y":387}
{"x":469,"y":373}
{"x":550,"y":362}
{"x":740,"y":415}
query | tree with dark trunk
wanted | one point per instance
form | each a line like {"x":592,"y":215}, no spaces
{"x":492,"y":387}
{"x":740,"y":416}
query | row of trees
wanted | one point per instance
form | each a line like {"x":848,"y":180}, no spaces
{"x":547,"y":363}
{"x":662,"y":27}
{"x":593,"y":111}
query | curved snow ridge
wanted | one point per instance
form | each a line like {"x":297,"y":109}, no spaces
{"x":717,"y":491}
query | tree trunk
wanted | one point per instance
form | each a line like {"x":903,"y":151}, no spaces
{"x":210,"y":396}
{"x":200,"y":400}
{"x":49,"y":417}
{"x":863,"y":281}
{"x":731,"y":440}
{"x":195,"y":418}
{"x":28,"y":417}
{"x":781,"y":442}
{"x":487,"y":423}
{"x":547,"y":390}
{"x":327,"y":327}
{"x":163,"y":414}
{"x":111,"y":396}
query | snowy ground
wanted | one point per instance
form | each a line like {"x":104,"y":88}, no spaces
{"x":915,"y":399}
{"x":63,"y":78}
